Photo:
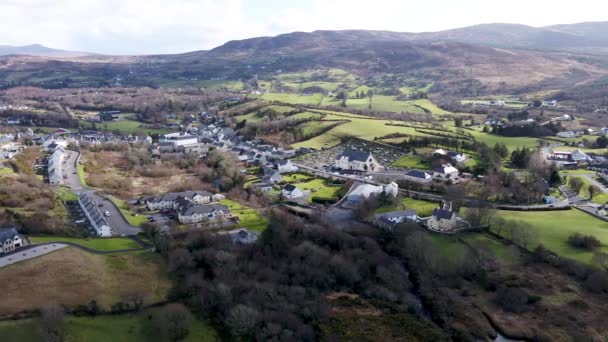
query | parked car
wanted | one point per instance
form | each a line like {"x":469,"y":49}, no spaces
{"x":107,"y":213}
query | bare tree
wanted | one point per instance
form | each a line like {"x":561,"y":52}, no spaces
{"x":576,"y":184}
{"x":174,"y":321}
{"x":51,"y":318}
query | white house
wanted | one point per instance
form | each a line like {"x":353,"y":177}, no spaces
{"x":194,"y":213}
{"x":550,"y":103}
{"x":286,"y":166}
{"x":580,"y":156}
{"x":9,"y":240}
{"x":567,"y":134}
{"x":458,"y":157}
{"x":445,"y":171}
{"x":169,"y":200}
{"x":356,"y":161}
{"x":440,"y":152}
{"x":54,"y":162}
{"x":364,"y":191}
{"x":391,"y":189}
{"x":291,"y":191}
{"x":391,"y":219}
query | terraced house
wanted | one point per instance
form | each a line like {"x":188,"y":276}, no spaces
{"x":54,"y":166}
{"x":170,"y":200}
{"x":195,"y":213}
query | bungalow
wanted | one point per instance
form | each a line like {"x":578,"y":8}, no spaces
{"x":9,"y":240}
{"x":291,"y":191}
{"x":262,"y":186}
{"x":418,"y":176}
{"x":440,"y":152}
{"x":580,"y":156}
{"x":286,"y":166}
{"x":445,"y":171}
{"x":567,"y":134}
{"x":391,"y":219}
{"x":549,"y":103}
{"x":194,"y":213}
{"x":356,"y":161}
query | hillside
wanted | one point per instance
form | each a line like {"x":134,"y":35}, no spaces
{"x":37,"y":50}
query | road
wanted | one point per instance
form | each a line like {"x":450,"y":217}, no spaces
{"x":29,"y":252}
{"x":117,"y":222}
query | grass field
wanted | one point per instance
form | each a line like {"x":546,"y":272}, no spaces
{"x":412,"y":162}
{"x":554,"y":227}
{"x":248,"y":217}
{"x":81,"y":174}
{"x":71,"y":277}
{"x":126,"y":126}
{"x":116,"y":328}
{"x":66,"y":194}
{"x":133,"y":219}
{"x":512,"y":143}
{"x":317,"y":187}
{"x":423,"y":208}
{"x":100,"y":244}
{"x":584,"y":193}
{"x":485,"y":242}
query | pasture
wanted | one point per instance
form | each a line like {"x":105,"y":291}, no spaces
{"x":124,"y":126}
{"x":99,"y":244}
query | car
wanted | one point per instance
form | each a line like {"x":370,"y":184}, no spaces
{"x":100,"y":205}
{"x":106,"y":213}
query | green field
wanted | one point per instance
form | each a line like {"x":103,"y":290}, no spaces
{"x":116,"y":328}
{"x":512,"y":143}
{"x":412,"y":162}
{"x":485,"y":242}
{"x":248,"y":217}
{"x":133,"y":219}
{"x":317,"y":187}
{"x":584,"y":193}
{"x":423,"y":208}
{"x":554,"y":227}
{"x":126,"y":126}
{"x":100,"y":244}
{"x":66,"y":194}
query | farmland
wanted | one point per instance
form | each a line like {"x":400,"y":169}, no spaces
{"x":72,"y":277}
{"x":412,"y":162}
{"x":125,"y":126}
{"x":554,"y":227}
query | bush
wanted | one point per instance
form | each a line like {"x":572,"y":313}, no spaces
{"x":513,"y":299}
{"x":580,"y":241}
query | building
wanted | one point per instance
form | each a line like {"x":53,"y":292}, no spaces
{"x":286,"y":166}
{"x":364,"y":191}
{"x":98,"y":222}
{"x":108,"y":115}
{"x":580,"y":156}
{"x":567,"y":134}
{"x":242,"y":236}
{"x":445,"y":171}
{"x":273,"y":178}
{"x":443,"y":219}
{"x":169,"y":200}
{"x":391,"y":219}
{"x":177,"y":140}
{"x":291,"y":191}
{"x":418,"y":176}
{"x":458,"y":157}
{"x":195,"y":213}
{"x":9,"y":240}
{"x":54,"y":164}
{"x":356,"y":161}
{"x":549,"y":103}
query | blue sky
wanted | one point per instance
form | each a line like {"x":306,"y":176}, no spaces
{"x":172,"y":26}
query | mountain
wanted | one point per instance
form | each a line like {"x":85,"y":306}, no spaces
{"x":37,"y":50}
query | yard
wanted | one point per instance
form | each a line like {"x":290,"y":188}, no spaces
{"x":423,"y":208}
{"x":249,"y":218}
{"x":116,"y":328}
{"x":72,"y":277}
{"x":554,"y":228}
{"x":412,"y":162}
{"x":100,"y":244}
{"x":317,"y":187}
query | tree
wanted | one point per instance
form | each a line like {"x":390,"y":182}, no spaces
{"x":458,"y":122}
{"x":174,"y":322}
{"x":370,"y":95}
{"x":555,"y":179}
{"x":242,"y":320}
{"x":52,"y":320}
{"x":593,"y":190}
{"x":600,"y":259}
{"x":576,"y":184}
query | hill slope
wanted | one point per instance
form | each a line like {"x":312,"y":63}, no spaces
{"x":37,"y":50}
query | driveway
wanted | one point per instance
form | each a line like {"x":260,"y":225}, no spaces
{"x":29,"y":252}
{"x":69,"y":171}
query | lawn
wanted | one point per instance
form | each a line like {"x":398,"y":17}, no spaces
{"x":584,"y":193}
{"x":116,"y":328}
{"x":133,"y":219}
{"x":554,"y":228}
{"x":66,"y":194}
{"x":125,"y":126}
{"x":81,"y":174}
{"x":72,"y":277}
{"x":412,"y":162}
{"x":100,"y":244}
{"x":249,"y":218}
{"x":317,"y":187}
{"x":423,"y":208}
{"x":485,"y":242}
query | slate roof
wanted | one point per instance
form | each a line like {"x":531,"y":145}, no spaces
{"x":7,"y":234}
{"x":173,"y":196}
{"x":355,"y":155}
{"x":289,"y":187}
{"x":416,"y":174}
{"x":401,"y":213}
{"x":443,"y":214}
{"x":192,"y":209}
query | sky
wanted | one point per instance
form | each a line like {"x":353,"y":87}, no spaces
{"x":174,"y":26}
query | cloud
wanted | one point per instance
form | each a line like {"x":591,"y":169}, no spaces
{"x":155,"y":26}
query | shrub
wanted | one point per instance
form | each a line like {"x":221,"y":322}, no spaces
{"x":580,"y":241}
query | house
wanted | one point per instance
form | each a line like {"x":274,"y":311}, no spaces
{"x":603,"y":210}
{"x":550,"y":103}
{"x":580,"y":156}
{"x":418,"y":176}
{"x":440,"y":152}
{"x":364,"y":191}
{"x":9,"y":240}
{"x":391,"y":219}
{"x":445,"y":171}
{"x":356,"y":161}
{"x":291,"y":191}
{"x":286,"y":166}
{"x":91,"y":210}
{"x":567,"y":134}
{"x":443,"y":218}
{"x":169,"y":200}
{"x":54,"y":164}
{"x":242,"y":236}
{"x":194,"y":213}
{"x":262,"y":186}
{"x":273,"y":178}
{"x":457,"y":156}
{"x":549,"y":199}
{"x":108,"y":115}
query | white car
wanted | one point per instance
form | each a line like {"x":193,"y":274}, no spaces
{"x":107,"y":213}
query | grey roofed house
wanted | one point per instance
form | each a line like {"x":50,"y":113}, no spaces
{"x":417,"y":174}
{"x":289,"y":187}
{"x":193,"y":208}
{"x":443,"y":214}
{"x":8,"y":233}
{"x":243,"y":236}
{"x":361,"y":156}
{"x":401,"y":213}
{"x":173,"y":196}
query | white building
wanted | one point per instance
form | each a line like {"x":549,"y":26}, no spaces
{"x":445,"y":171}
{"x":356,"y":161}
{"x":291,"y":191}
{"x":9,"y":240}
{"x":364,"y":191}
{"x":286,"y":166}
{"x":169,"y":200}
{"x":54,"y":163}
{"x":178,"y":139}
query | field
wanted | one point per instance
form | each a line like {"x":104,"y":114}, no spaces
{"x":66,"y":195}
{"x":317,"y":187}
{"x":133,"y":219}
{"x":423,"y":208}
{"x":554,"y":227}
{"x":116,"y":328}
{"x":512,"y":143}
{"x":485,"y":242}
{"x":72,"y":277}
{"x":249,"y":218}
{"x":412,"y":162}
{"x":125,"y":126}
{"x":584,"y":193}
{"x":100,"y":244}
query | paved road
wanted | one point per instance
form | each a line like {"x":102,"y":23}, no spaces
{"x":119,"y":225}
{"x":29,"y":252}
{"x":594,"y":181}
